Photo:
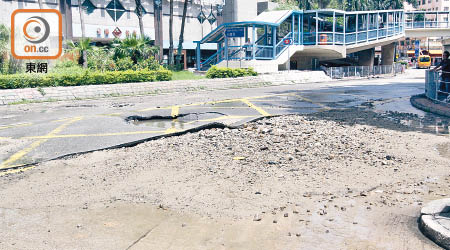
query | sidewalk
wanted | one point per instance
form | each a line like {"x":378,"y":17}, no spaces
{"x":425,"y":104}
{"x":11,"y":96}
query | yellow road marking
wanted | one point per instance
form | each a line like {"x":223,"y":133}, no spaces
{"x":217,"y":102}
{"x":175,"y":111}
{"x":5,"y":138}
{"x":12,"y":171}
{"x":92,"y":135}
{"x":16,"y":125}
{"x":221,"y":107}
{"x":170,"y":130}
{"x":15,"y":157}
{"x":251,"y":105}
{"x":313,"y":102}
{"x":112,"y":114}
{"x":223,"y":118}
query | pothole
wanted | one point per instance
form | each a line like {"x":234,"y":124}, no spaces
{"x":170,"y":121}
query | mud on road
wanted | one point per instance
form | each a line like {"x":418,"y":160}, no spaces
{"x":341,"y":179}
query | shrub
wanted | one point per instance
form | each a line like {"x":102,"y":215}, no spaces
{"x":82,"y":78}
{"x":164,"y":75}
{"x":100,"y":59}
{"x":67,"y":67}
{"x":149,"y":64}
{"x":217,"y":72}
{"x":65,"y":64}
{"x":124,"y":64}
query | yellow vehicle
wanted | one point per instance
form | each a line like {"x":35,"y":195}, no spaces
{"x":424,"y":61}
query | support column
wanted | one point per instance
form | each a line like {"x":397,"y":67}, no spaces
{"x":274,"y":42}
{"x":366,"y":57}
{"x":334,"y":27}
{"x":198,"y":56}
{"x":387,"y":54}
{"x":253,"y":42}
{"x":317,"y":27}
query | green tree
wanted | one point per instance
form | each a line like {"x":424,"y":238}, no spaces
{"x":140,"y":13}
{"x":136,"y":48}
{"x":4,"y":47}
{"x":171,"y":33}
{"x":81,"y":48}
{"x":83,"y":33}
{"x":181,"y":39}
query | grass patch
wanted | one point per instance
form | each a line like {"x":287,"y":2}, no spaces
{"x":186,"y":75}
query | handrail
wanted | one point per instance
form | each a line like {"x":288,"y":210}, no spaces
{"x":279,"y":43}
{"x":214,"y":56}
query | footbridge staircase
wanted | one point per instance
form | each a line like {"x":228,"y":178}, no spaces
{"x":273,"y":40}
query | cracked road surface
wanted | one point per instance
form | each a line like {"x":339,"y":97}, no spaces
{"x":31,"y":133}
{"x":304,"y":183}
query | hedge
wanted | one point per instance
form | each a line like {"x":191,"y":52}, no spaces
{"x":85,"y":78}
{"x":217,"y":72}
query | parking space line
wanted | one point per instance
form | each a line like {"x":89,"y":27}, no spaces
{"x":112,"y":114}
{"x":223,"y":118}
{"x":16,"y":125}
{"x":175,"y":111}
{"x":217,"y":102}
{"x":170,"y":130}
{"x":18,"y":155}
{"x":253,"y":106}
{"x":324,"y":107}
{"x":94,"y":135}
{"x":12,"y":171}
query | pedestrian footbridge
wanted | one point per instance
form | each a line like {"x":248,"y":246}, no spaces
{"x":278,"y":40}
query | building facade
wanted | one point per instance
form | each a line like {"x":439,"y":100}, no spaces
{"x":106,"y":20}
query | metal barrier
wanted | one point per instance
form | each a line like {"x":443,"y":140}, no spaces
{"x":437,"y":88}
{"x":363,"y":71}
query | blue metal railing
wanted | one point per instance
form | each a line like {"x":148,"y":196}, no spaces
{"x":212,"y":60}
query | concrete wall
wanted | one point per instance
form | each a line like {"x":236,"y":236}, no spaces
{"x":240,"y":10}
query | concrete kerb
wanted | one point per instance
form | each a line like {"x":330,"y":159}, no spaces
{"x":108,"y":90}
{"x":431,"y":222}
{"x":423,"y":103}
{"x":51,"y":94}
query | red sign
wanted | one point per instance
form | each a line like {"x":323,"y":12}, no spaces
{"x":287,"y":41}
{"x":117,"y":32}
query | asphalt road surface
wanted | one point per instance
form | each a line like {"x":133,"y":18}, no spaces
{"x":31,"y":133}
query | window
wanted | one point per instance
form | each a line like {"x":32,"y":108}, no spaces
{"x":115,"y":9}
{"x":445,"y":8}
{"x":425,"y":59}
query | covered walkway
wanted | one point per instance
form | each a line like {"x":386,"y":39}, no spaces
{"x":274,"y":37}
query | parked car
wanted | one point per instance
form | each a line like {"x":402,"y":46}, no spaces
{"x":424,"y":61}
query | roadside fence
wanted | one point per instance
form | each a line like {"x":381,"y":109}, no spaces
{"x":363,"y":71}
{"x":437,"y":88}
